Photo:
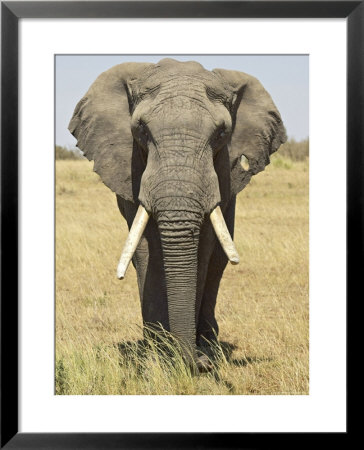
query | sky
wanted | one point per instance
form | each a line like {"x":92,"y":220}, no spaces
{"x":285,"y":77}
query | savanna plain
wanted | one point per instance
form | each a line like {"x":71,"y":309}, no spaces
{"x":262,"y":306}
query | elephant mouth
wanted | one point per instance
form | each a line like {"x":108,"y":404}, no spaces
{"x":140,"y":222}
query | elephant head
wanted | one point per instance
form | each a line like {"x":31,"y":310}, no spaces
{"x":170,"y":137}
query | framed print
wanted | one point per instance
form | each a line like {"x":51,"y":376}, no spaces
{"x":83,"y":364}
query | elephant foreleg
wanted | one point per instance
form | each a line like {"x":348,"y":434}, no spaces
{"x":207,"y":327}
{"x":148,"y":263}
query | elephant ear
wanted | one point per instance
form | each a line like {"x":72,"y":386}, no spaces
{"x":258,"y":130}
{"x":101,"y":125}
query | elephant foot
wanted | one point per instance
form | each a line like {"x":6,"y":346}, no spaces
{"x":207,"y":339}
{"x":208,"y":348}
{"x":204,"y":364}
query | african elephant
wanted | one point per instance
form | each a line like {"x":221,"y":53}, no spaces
{"x":168,"y":139}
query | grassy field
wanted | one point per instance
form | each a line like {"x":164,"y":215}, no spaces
{"x":262,"y":306}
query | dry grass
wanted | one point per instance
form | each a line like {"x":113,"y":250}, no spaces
{"x":262,"y":306}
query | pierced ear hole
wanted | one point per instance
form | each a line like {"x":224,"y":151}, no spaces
{"x":244,"y":162}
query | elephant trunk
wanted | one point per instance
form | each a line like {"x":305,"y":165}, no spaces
{"x":180,"y":240}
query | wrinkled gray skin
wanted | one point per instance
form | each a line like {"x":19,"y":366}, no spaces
{"x":170,"y":136}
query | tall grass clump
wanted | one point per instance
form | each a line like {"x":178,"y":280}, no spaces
{"x":150,"y":366}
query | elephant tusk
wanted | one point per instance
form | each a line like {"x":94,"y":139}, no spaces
{"x":223,"y":235}
{"x":132,"y":241}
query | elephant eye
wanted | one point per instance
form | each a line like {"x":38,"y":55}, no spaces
{"x":220,"y":135}
{"x":143,"y":133}
{"x":142,"y":136}
{"x":219,"y":139}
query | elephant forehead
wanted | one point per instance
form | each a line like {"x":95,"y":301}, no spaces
{"x":179,"y":104}
{"x":181,"y":113}
{"x":179,"y":76}
{"x":181,"y":95}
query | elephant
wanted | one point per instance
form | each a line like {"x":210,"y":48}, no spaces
{"x":168,"y":139}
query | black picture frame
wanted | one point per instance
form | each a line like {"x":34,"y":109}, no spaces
{"x":11,"y":12}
